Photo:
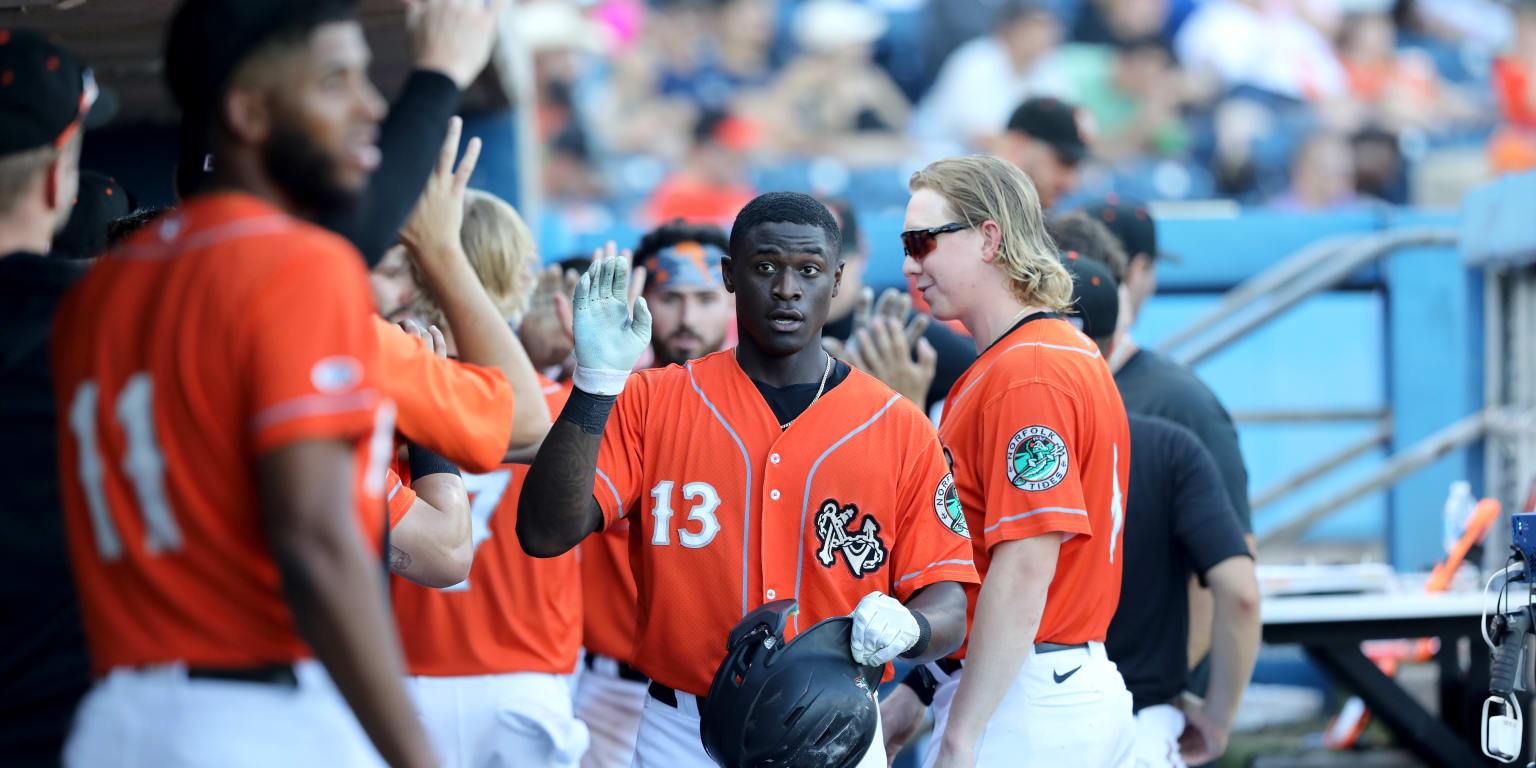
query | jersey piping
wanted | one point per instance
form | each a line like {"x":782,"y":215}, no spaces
{"x":805,"y":499}
{"x":746,"y":508}
{"x":932,"y":566}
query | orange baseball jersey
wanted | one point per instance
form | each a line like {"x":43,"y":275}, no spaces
{"x":223,"y":331}
{"x":608,"y":594}
{"x":515,"y":613}
{"x":459,"y":411}
{"x":1039,"y":441}
{"x":728,"y":512}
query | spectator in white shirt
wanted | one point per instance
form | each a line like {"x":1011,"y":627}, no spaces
{"x":983,"y":80}
{"x":1265,"y":44}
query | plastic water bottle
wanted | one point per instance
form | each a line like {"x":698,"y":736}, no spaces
{"x":1458,"y":511}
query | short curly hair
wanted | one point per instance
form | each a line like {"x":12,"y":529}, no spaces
{"x":788,"y":208}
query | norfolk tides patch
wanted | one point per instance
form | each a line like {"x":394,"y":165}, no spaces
{"x":1037,"y":459}
{"x":946,"y":502}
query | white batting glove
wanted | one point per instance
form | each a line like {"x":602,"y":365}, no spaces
{"x":608,"y":340}
{"x":883,"y":629}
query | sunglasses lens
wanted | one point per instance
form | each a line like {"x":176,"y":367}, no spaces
{"x":918,"y":243}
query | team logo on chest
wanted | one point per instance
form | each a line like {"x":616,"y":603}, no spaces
{"x":1037,"y":458}
{"x":863,"y":551}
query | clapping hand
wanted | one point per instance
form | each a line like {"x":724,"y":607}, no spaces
{"x":884,"y":341}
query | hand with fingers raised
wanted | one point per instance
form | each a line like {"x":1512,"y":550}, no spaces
{"x":432,"y":231}
{"x":884,"y":342}
{"x":609,"y":336}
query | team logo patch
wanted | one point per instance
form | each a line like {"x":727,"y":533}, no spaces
{"x":864,"y":686}
{"x":336,"y":374}
{"x":863,"y":551}
{"x":946,"y":502}
{"x":1037,"y":458}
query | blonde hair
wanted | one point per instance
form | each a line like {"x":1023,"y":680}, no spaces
{"x":980,"y":188}
{"x":501,"y":251}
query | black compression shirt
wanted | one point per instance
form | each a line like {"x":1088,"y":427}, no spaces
{"x":789,"y":402}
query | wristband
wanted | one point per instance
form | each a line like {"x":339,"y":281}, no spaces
{"x":924,"y":634}
{"x":587,"y":411}
{"x":424,"y":462}
{"x":599,"y":381}
{"x":922,"y":683}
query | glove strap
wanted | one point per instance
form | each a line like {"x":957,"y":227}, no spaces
{"x":587,"y":411}
{"x":924,"y":634}
{"x":599,"y":381}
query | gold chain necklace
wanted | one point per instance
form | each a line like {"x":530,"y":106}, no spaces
{"x":819,"y":390}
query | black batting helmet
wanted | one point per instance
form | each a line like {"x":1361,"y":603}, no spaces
{"x":805,"y":703}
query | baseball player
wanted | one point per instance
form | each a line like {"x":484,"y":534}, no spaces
{"x":223,"y":438}
{"x":491,"y":657}
{"x":1041,"y":454}
{"x":767,"y":471}
{"x":690,"y":313}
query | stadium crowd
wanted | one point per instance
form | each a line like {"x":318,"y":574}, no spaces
{"x":1305,"y":104}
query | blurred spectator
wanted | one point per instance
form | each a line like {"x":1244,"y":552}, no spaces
{"x":1397,"y":88}
{"x":394,"y":289}
{"x":708,"y":53}
{"x":1322,"y":175}
{"x":1380,"y":169}
{"x":834,"y":92}
{"x":568,"y":172}
{"x":99,"y":200}
{"x":1484,"y":24}
{"x":1513,"y":148}
{"x":987,"y":76}
{"x":1134,"y":93}
{"x":1045,"y":141}
{"x":1266,"y":45}
{"x":1120,"y":21}
{"x":711,"y":185}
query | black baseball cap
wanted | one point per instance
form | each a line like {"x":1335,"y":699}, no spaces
{"x":45,"y":92}
{"x":99,"y":202}
{"x":207,"y":42}
{"x":1094,"y":295}
{"x":1131,"y":223}
{"x":1054,"y":122}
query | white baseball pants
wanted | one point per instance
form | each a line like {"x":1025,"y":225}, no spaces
{"x":518,"y":720}
{"x":669,"y":738}
{"x":611,"y":707}
{"x":1066,"y":708}
{"x":157,"y":716}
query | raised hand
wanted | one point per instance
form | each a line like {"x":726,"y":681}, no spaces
{"x":432,"y":231}
{"x":883,"y":348}
{"x":609,"y":336}
{"x":454,"y":37}
{"x":546,"y":328}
